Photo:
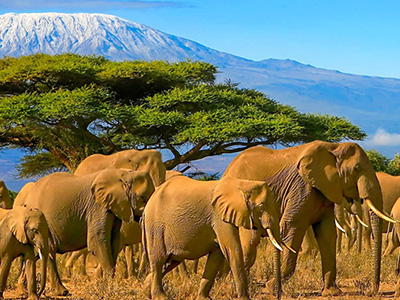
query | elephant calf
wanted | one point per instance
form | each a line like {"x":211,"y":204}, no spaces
{"x":22,"y":229}
{"x":187,"y":219}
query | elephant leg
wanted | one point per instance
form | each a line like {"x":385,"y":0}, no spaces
{"x":156,"y":275}
{"x":366,"y":232}
{"x":21,"y":283}
{"x":360,"y":230}
{"x":325,"y":233}
{"x":182,"y":270}
{"x":144,"y":262}
{"x":339,"y":241}
{"x":55,"y":281}
{"x":129,"y":261}
{"x":214,"y":263}
{"x":229,"y":241}
{"x":74,"y":256}
{"x":5,"y":265}
{"x":116,"y":239}
{"x":195,"y":265}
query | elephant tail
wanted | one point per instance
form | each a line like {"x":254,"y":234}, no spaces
{"x":144,"y":240}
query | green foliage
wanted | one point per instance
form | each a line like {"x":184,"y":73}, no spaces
{"x":66,"y":107}
{"x":13,"y":195}
{"x":384,"y":164}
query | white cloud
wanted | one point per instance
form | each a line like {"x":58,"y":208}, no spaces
{"x":384,"y":138}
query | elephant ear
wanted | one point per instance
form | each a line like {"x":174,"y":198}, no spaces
{"x":16,"y":221}
{"x":233,"y":202}
{"x":317,"y":166}
{"x":110,"y":191}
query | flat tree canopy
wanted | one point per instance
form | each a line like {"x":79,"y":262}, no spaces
{"x":63,"y":108}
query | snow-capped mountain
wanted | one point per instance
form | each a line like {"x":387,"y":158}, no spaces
{"x":373,"y":103}
{"x":110,"y":36}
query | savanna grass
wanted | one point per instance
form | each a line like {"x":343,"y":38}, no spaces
{"x":354,"y":275}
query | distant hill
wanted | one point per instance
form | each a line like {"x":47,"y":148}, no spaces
{"x":370,"y":102}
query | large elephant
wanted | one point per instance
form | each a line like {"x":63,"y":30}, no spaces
{"x":396,"y":236}
{"x":149,"y":161}
{"x":138,"y":160}
{"x":308,"y":180}
{"x":5,"y":200}
{"x":187,"y":219}
{"x":390,"y":186}
{"x":86,"y":211}
{"x":21,"y":230}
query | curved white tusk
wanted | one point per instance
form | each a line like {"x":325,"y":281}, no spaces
{"x":273,"y":240}
{"x":378,"y":213}
{"x":341,"y":228}
{"x":361,"y":221}
{"x":40,"y":254}
{"x":290,"y":248}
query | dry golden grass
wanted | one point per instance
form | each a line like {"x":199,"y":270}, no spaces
{"x":354,"y":274}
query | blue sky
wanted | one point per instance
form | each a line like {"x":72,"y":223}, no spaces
{"x":359,"y":37}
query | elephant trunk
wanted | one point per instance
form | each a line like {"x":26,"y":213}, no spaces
{"x":376,"y":224}
{"x":43,"y":250}
{"x":369,"y":189}
{"x":277,"y":273}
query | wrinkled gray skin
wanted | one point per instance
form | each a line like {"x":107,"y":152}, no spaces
{"x":149,"y":161}
{"x":86,"y":211}
{"x":308,"y":180}
{"x":22,"y":229}
{"x":396,"y":237}
{"x":390,"y":186}
{"x":187,"y":219}
{"x":5,"y":200}
{"x":137,"y":160}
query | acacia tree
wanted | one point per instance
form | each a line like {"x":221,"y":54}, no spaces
{"x":382,"y":163}
{"x":63,"y":108}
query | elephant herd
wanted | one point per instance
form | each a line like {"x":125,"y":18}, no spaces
{"x":279,"y":194}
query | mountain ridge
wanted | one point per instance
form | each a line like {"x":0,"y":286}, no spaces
{"x":371,"y":102}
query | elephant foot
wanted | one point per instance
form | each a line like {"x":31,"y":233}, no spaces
{"x":60,"y":291}
{"x":159,"y":296}
{"x":33,"y":297}
{"x":200,"y":297}
{"x":270,"y":287}
{"x":331,"y":291}
{"x":147,"y":286}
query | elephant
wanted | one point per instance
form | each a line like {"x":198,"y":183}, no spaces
{"x":395,"y":212}
{"x":390,"y":186}
{"x":137,"y":160}
{"x":307,"y":181}
{"x":86,"y":211}
{"x":131,"y":234}
{"x":22,"y":230}
{"x":5,"y":200}
{"x":140,"y":160}
{"x":188,"y":219}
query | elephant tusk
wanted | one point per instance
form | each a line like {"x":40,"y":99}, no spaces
{"x":40,"y":254}
{"x":273,"y":240}
{"x":361,"y":221}
{"x":290,"y":248}
{"x":378,"y":213}
{"x":341,"y":228}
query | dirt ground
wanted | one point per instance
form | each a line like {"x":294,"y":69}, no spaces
{"x":354,"y":276}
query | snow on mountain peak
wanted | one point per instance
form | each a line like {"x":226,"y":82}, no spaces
{"x":82,"y":33}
